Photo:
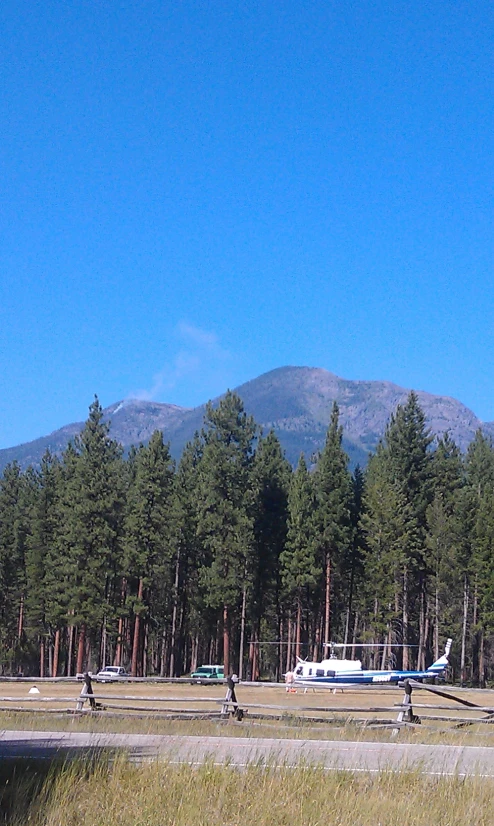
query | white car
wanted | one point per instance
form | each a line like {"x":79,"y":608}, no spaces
{"x":111,"y":673}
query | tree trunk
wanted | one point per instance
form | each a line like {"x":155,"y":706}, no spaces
{"x":70,"y":654}
{"x":463,"y":670}
{"x":317,"y":642}
{"x":350,"y":602}
{"x":255,"y":656}
{"x":280,"y":648}
{"x":118,"y":649}
{"x":42,"y":657}
{"x":144,"y":650}
{"x":475,"y":649}
{"x":327,"y":603}
{"x":397,"y":614}
{"x":422,"y":619}
{"x":386,"y":648}
{"x":81,"y":644}
{"x":20,"y":627}
{"x":89,"y":652}
{"x":436,"y":622}
{"x":103,"y":644}
{"x":427,"y":627}
{"x":137,"y":630}
{"x":163,"y":655}
{"x":375,"y":638}
{"x":174,"y":617}
{"x":226,"y":640}
{"x":481,"y":660}
{"x":242,"y":635}
{"x":297,"y":631}
{"x":56,"y":652}
{"x":194,"y":653}
{"x":181,"y":652}
{"x":347,"y":630}
{"x":354,"y":635}
{"x":405,"y":620}
{"x":289,"y":645}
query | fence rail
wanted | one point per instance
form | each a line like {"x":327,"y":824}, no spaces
{"x":459,"y":712}
{"x":78,"y":678}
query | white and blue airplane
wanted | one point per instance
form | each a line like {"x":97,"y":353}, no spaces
{"x":334,"y":672}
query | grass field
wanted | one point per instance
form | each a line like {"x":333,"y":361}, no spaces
{"x":283,"y":718}
{"x":119,"y":793}
{"x":161,"y":794}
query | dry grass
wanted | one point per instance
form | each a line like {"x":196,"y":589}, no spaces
{"x":282,"y":722}
{"x":122,"y":794}
{"x":161,"y":794}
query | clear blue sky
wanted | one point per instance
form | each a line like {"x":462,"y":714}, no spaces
{"x":194,"y":193}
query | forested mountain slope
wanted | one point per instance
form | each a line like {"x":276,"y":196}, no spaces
{"x":293,"y":401}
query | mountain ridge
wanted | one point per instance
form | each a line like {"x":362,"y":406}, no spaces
{"x":294,"y":401}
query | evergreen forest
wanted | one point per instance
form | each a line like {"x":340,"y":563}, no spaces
{"x":231,"y":555}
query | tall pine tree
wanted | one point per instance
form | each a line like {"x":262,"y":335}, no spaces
{"x":91,"y":516}
{"x":225,"y":524}
{"x":271,"y":483}
{"x":300,"y":564}
{"x":149,"y":542}
{"x":334,"y":499}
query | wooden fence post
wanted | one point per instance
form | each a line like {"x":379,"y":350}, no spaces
{"x":87,"y":689}
{"x":231,"y":699}
{"x":406,"y":715}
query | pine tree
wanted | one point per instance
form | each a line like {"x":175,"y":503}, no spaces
{"x":300,"y":564}
{"x":384,"y":524}
{"x":408,"y":440}
{"x":355,"y":561}
{"x":402,"y":492}
{"x":271,"y":483}
{"x":59,"y":565}
{"x":442,"y":555}
{"x":478,"y":509}
{"x":334,"y":498}
{"x":225,"y":509}
{"x":196,"y":621}
{"x":149,"y":540}
{"x":17,"y":492}
{"x":483,"y":561}
{"x":40,"y":543}
{"x":91,"y":514}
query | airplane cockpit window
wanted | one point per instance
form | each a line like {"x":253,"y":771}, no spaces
{"x":299,"y":670}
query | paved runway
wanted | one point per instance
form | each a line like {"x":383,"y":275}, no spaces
{"x":239,"y":751}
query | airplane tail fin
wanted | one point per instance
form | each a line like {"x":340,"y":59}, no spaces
{"x":441,"y":664}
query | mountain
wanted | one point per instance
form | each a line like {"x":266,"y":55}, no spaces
{"x":294,"y":401}
{"x":132,"y":422}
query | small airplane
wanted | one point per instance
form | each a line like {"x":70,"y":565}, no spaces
{"x":335,"y":672}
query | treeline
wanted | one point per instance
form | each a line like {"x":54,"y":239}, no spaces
{"x":233,"y":556}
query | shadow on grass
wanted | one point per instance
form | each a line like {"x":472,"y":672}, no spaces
{"x":26,"y":783}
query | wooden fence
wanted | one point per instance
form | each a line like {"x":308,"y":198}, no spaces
{"x":458,"y":712}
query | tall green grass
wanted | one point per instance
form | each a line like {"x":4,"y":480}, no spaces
{"x":101,"y":793}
